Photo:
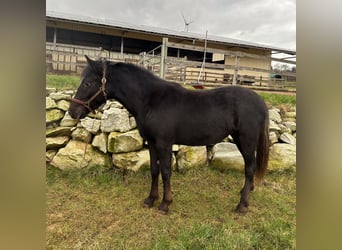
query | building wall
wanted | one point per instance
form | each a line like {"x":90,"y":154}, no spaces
{"x":263,"y":63}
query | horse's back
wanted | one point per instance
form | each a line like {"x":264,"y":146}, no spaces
{"x":230,"y":100}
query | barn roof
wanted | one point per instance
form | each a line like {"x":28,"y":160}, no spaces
{"x":162,"y":31}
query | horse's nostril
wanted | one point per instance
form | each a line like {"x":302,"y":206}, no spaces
{"x":77,"y":117}
{"x":75,"y":112}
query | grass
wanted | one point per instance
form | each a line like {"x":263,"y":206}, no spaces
{"x":102,"y":209}
{"x":278,"y":99}
{"x":62,"y":82}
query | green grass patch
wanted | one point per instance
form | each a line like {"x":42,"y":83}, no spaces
{"x":102,"y":209}
{"x":62,"y":82}
{"x":273,"y":99}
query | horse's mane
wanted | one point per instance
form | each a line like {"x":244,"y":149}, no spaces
{"x":132,"y":68}
{"x":144,"y":73}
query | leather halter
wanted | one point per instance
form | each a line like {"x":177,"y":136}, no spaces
{"x":102,"y":90}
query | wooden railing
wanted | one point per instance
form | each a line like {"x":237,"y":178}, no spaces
{"x":61,"y":58}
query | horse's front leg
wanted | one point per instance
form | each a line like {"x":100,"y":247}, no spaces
{"x":165,"y":156}
{"x":155,"y":170}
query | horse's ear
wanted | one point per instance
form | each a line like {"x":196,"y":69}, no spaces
{"x":94,"y":65}
{"x":88,"y":59}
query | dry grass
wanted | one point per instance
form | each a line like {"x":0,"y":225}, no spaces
{"x":102,"y":209}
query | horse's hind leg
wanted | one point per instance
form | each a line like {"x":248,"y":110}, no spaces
{"x":247,"y":148}
{"x":155,"y":171}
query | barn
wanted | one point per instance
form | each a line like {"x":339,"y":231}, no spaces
{"x":180,"y":56}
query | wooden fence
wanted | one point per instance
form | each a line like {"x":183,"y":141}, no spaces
{"x":70,"y":59}
{"x":61,"y":58}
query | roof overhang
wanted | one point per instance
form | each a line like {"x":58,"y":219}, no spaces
{"x":160,"y":32}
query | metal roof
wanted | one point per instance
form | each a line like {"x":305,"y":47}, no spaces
{"x":163,"y":31}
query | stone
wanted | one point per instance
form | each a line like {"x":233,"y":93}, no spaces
{"x":284,"y":129}
{"x":226,"y":155}
{"x":276,"y":109}
{"x":175,"y":148}
{"x":291,"y":125}
{"x":132,"y":123}
{"x":97,"y":115}
{"x":53,"y":115}
{"x":273,"y":126}
{"x":124,"y":142}
{"x":230,"y":139}
{"x":90,"y":124}
{"x":115,"y":119}
{"x":100,"y":142}
{"x":273,"y":137}
{"x":274,"y":115}
{"x":56,"y":142}
{"x":49,"y":154}
{"x":59,"y":131}
{"x":112,"y":104}
{"x":291,"y":114}
{"x":68,"y":121}
{"x":63,"y":105}
{"x":287,"y":138}
{"x":50,"y":103}
{"x":59,"y":96}
{"x":78,"y":155}
{"x":81,"y":134}
{"x":69,"y":92}
{"x":189,"y":157}
{"x":48,"y":90}
{"x":132,"y":161}
{"x":282,"y":156}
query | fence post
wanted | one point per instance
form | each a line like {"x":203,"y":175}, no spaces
{"x":236,"y":69}
{"x":163,"y":57}
{"x":54,"y":38}
{"x":122,"y":47}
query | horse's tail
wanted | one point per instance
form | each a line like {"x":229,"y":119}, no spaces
{"x":262,"y":153}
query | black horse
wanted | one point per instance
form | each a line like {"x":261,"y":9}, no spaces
{"x":167,"y":114}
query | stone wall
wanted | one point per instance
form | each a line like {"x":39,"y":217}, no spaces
{"x":110,"y":138}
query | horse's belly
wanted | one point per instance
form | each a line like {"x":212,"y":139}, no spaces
{"x":199,"y":137}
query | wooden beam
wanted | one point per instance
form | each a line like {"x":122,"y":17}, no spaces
{"x":283,"y":61}
{"x":212,"y":50}
{"x":214,"y":65}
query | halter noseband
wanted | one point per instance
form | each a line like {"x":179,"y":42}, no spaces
{"x":102,"y":90}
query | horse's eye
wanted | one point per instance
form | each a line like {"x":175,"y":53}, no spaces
{"x":86,"y":84}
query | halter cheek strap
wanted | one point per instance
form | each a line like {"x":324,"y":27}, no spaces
{"x":102,"y":90}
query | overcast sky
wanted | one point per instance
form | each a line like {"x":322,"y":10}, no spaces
{"x":269,"y":22}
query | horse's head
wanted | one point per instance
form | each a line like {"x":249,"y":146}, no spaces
{"x":91,"y":93}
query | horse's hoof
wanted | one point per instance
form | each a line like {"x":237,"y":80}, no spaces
{"x":241,"y":209}
{"x":148,"y":202}
{"x":164,"y":207}
{"x":145,"y":205}
{"x":163,"y":212}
